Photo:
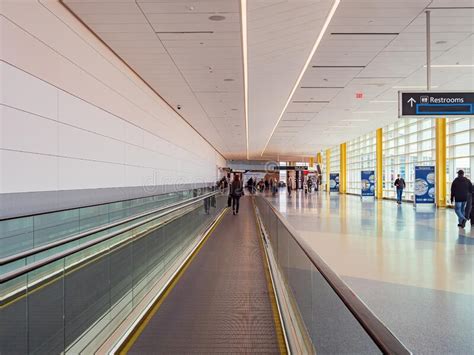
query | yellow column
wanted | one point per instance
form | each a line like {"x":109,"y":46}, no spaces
{"x":343,"y":175}
{"x":328,"y":167}
{"x":379,"y":170}
{"x":440,"y":168}
{"x":319,"y":158}
{"x":311,"y":162}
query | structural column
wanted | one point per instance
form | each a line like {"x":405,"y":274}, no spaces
{"x":440,"y":168}
{"x":328,"y":168}
{"x":311,"y":162}
{"x":343,"y":175}
{"x":379,"y":169}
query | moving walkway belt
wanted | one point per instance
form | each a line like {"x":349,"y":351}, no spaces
{"x":221,"y":301}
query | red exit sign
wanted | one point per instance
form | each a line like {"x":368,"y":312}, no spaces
{"x":359,"y":95}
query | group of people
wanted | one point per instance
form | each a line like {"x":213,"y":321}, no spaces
{"x":307,"y":186}
{"x":262,"y":185}
{"x":461,"y":195}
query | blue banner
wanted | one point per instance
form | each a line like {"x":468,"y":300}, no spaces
{"x":334,"y":182}
{"x":424,"y":184}
{"x":367,"y":178}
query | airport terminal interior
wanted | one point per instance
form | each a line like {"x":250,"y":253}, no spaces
{"x":236,"y":176}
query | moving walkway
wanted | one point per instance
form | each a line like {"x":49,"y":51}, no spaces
{"x":187,"y":278}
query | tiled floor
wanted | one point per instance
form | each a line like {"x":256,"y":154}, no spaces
{"x":414,"y":268}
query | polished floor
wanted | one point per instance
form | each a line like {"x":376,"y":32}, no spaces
{"x":413,"y":268}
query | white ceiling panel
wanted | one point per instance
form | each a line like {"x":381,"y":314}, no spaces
{"x":371,"y":48}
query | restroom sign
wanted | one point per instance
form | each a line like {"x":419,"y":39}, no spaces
{"x":434,"y":103}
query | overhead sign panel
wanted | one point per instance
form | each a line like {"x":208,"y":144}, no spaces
{"x":434,"y":103}
{"x":298,"y":168}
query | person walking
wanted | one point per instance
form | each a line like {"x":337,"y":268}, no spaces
{"x":400,"y":185}
{"x":460,"y":189}
{"x":236,"y":191}
{"x":274,"y":184}
{"x":289,"y":185}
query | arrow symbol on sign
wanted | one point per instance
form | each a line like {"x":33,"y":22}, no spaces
{"x":411,"y":101}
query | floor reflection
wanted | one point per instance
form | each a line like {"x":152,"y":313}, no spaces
{"x":381,"y":240}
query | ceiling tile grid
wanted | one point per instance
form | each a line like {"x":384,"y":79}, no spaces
{"x":378,"y":65}
{"x":188,"y":58}
{"x":372,"y":48}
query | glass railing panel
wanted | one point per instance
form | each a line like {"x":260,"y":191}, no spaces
{"x":75,"y":302}
{"x":91,"y":217}
{"x":15,"y":235}
{"x":118,"y":210}
{"x":22,"y":234}
{"x":121,"y":283}
{"x":53,"y":226}
{"x":140,"y":262}
{"x":282,"y":253}
{"x":45,"y":309}
{"x":299,"y":280}
{"x":86,"y":291}
{"x":12,"y":266}
{"x":330,"y":324}
{"x":14,"y":316}
{"x":335,"y":329}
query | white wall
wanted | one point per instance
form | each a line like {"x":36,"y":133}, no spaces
{"x":73,"y":116}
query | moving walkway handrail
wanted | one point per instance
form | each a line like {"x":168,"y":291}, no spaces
{"x":375,"y":328}
{"x":40,"y":263}
{"x":33,"y":251}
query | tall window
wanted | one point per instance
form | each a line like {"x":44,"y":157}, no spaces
{"x":360,"y":156}
{"x":406,"y":143}
{"x":335,"y":163}
{"x":460,"y":149}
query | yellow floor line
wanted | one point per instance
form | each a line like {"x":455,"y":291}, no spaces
{"x":128,"y":343}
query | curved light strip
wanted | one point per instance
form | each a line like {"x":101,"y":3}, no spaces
{"x":243,"y":11}
{"x":313,"y":50}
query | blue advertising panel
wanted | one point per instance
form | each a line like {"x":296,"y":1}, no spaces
{"x":334,"y":182}
{"x":367,"y":178}
{"x":424,"y":184}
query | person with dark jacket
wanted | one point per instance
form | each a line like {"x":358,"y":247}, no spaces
{"x":468,"y":210}
{"x":236,"y":191}
{"x":461,"y":188}
{"x":400,"y":185}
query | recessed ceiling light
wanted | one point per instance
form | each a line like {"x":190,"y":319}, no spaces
{"x":216,"y":18}
{"x":235,"y":109}
{"x":243,"y":18}
{"x":382,"y":101}
{"x":228,"y":79}
{"x":303,"y":70}
{"x":441,"y":42}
